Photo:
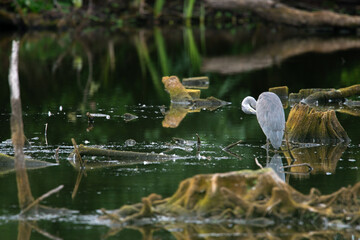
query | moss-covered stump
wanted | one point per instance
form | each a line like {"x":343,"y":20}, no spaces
{"x":282,"y":91}
{"x":176,"y":90}
{"x":242,"y":195}
{"x":323,"y":159}
{"x":307,"y":125}
{"x":174,"y":116}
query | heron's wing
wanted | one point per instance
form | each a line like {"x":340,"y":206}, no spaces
{"x":271,"y":117}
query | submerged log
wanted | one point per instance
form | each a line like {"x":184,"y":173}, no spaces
{"x":306,"y":125}
{"x":117,"y":157}
{"x":242,"y":195}
{"x":274,"y":11}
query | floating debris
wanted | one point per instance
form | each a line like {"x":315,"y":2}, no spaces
{"x":91,"y":116}
{"x":129,"y":117}
{"x":130,"y":143}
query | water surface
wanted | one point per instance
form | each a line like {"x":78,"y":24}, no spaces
{"x":64,"y":75}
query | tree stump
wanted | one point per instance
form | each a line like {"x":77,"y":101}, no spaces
{"x":307,"y":125}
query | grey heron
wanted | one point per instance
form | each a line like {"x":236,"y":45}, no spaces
{"x":270,"y":115}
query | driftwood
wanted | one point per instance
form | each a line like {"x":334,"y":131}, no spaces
{"x":245,"y":195}
{"x":306,"y":125}
{"x":274,"y":11}
{"x":274,"y":54}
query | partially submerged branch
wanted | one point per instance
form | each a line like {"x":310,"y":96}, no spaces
{"x":117,"y":157}
{"x":38,"y":200}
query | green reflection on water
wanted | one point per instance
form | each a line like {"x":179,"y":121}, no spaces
{"x":126,"y":77}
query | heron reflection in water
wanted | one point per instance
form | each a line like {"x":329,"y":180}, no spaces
{"x":270,"y":115}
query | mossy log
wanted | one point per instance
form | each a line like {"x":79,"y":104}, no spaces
{"x":243,"y":194}
{"x":307,"y":125}
{"x":121,"y":157}
{"x":338,"y":95}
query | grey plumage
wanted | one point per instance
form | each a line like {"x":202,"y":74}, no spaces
{"x":270,"y":115}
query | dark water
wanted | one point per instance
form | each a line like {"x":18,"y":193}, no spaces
{"x":65,"y":75}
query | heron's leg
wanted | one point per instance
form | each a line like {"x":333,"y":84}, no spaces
{"x":267,"y":151}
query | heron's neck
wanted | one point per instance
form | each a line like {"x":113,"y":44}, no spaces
{"x":249,"y":105}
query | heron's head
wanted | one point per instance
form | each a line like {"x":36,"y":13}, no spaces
{"x":248,"y":105}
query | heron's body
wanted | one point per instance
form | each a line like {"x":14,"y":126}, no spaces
{"x":270,"y":115}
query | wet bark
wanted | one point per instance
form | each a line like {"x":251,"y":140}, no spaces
{"x":274,"y":11}
{"x":306,"y":125}
{"x":17,"y":131}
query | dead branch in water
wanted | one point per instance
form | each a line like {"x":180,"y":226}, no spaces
{"x":39,"y":199}
{"x":77,"y":154}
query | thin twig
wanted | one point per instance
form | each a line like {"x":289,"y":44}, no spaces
{"x":78,"y":156}
{"x":198,"y":142}
{"x":257,"y":163}
{"x":42,"y":232}
{"x":233,"y":144}
{"x":77,"y":184}
{"x":39,"y":199}
{"x":109,"y":215}
{"x":231,"y":153}
{"x":46,"y":127}
{"x":57,"y":155}
{"x":298,"y":165}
